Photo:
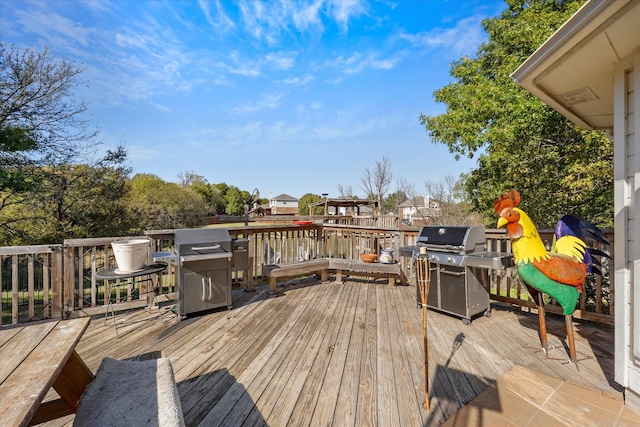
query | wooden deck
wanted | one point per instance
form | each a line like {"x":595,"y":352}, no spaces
{"x":344,"y":355}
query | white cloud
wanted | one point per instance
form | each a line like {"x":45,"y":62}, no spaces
{"x":241,"y":66}
{"x":307,"y":16}
{"x":217,"y":18}
{"x":343,"y":10}
{"x":357,"y":62}
{"x":54,"y":28}
{"x":280,"y":61}
{"x":298,"y":81}
{"x":268,"y":101}
{"x":463,"y":38}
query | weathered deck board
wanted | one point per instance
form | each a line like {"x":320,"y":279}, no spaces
{"x":343,"y":354}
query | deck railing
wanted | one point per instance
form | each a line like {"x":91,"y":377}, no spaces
{"x":57,"y":281}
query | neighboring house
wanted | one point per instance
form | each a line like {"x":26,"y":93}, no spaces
{"x":589,"y":71}
{"x":419,"y":210}
{"x":283,"y":205}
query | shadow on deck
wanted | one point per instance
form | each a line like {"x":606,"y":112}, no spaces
{"x":345,"y":355}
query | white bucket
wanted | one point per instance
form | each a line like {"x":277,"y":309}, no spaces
{"x":131,"y":254}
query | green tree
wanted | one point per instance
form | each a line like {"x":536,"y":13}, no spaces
{"x":306,"y":200}
{"x":69,"y":201}
{"x":524,"y":144}
{"x":210,"y":193}
{"x":392,"y":202}
{"x":235,"y":200}
{"x":157,"y":204}
{"x":48,"y":161}
{"x":37,"y":107}
{"x":14,"y":142}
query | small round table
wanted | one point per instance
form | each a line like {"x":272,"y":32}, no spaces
{"x":110,"y":274}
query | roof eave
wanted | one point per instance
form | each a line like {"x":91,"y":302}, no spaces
{"x":558,"y":47}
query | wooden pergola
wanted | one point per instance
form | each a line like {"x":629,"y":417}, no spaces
{"x":354,"y":204}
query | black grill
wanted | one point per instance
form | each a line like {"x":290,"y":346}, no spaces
{"x":459,"y":268}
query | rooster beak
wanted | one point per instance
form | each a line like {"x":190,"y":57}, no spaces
{"x":501,"y":222}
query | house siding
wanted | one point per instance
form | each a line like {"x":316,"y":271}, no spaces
{"x":627,"y":251}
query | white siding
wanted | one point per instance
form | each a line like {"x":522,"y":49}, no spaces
{"x":627,"y":246}
{"x":622,"y":190}
{"x":633,"y":180}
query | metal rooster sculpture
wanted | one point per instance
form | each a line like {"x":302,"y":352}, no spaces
{"x":561,"y":272}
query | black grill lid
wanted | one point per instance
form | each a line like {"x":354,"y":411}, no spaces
{"x":462,"y":239}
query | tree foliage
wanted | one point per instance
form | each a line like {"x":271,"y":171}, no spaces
{"x":523,"y":143}
{"x":209,"y":193}
{"x":69,"y":201}
{"x":37,"y":101}
{"x":53,"y":184}
{"x":235,"y":200}
{"x":306,"y":200}
{"x":157,"y":204}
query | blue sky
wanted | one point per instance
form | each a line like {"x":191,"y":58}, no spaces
{"x":288,"y":97}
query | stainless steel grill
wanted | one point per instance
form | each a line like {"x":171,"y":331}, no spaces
{"x":204,"y":260}
{"x":459,"y":268}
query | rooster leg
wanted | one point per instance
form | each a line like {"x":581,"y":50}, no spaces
{"x":572,"y":343}
{"x":543,"y":325}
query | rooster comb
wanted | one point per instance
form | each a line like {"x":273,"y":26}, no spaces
{"x":509,"y":199}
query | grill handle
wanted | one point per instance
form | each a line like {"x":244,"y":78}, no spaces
{"x":204,"y":290}
{"x":205,"y":248}
{"x":452,"y":273}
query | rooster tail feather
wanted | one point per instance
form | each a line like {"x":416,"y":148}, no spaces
{"x":570,"y":225}
{"x":595,"y":270}
{"x":598,"y":252}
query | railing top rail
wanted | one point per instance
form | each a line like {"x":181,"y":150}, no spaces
{"x":97,"y":241}
{"x":362,"y":227}
{"x":32,"y":249}
{"x":250,"y":229}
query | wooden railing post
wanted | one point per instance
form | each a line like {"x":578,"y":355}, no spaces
{"x":56,"y":284}
{"x":68,"y":286}
{"x":251,"y":248}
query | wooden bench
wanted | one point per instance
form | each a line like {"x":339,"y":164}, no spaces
{"x":369,"y":269}
{"x":322,"y":266}
{"x":295,"y":269}
{"x":134,"y":392}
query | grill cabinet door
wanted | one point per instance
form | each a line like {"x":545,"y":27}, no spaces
{"x":206,"y":285}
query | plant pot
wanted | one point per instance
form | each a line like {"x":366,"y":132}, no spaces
{"x":131,"y":254}
{"x":386,"y":256}
{"x":368,"y":257}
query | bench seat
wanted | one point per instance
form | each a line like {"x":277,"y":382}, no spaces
{"x":361,"y":268}
{"x":321,"y":266}
{"x":131,"y":393}
{"x":295,"y":269}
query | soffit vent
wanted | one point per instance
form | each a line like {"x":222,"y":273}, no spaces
{"x":578,"y":96}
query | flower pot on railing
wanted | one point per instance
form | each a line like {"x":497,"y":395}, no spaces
{"x":131,"y":254}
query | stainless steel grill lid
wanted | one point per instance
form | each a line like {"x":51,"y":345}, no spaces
{"x":193,"y":241}
{"x":195,"y":244}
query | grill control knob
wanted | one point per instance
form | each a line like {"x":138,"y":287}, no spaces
{"x":450,"y":259}
{"x":434,"y":257}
